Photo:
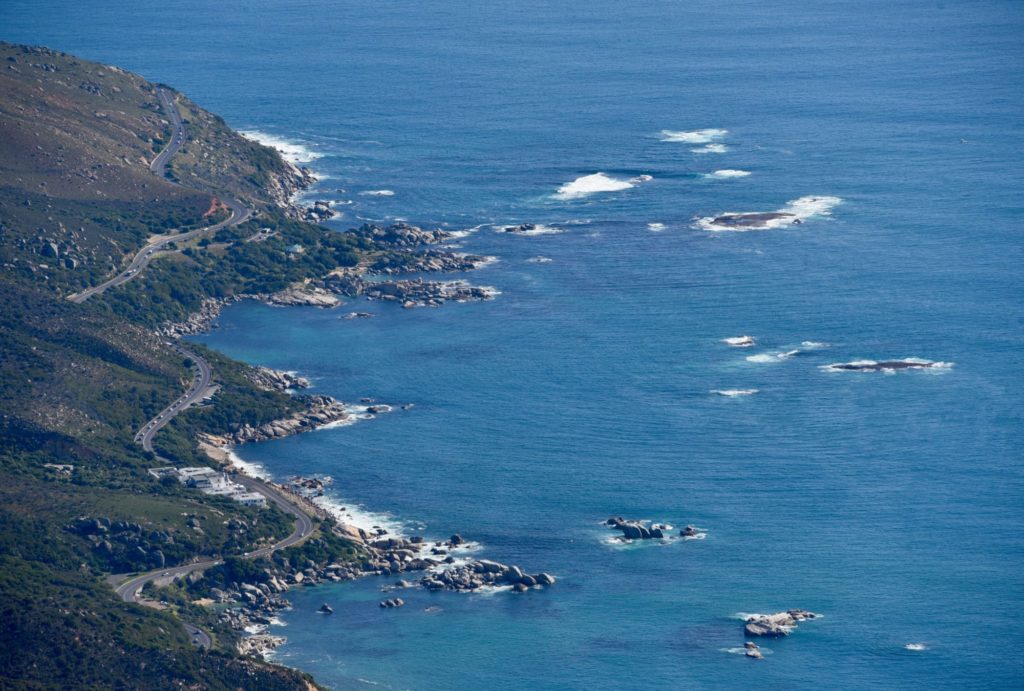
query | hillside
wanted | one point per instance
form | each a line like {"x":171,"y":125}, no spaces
{"x":76,"y":191}
{"x":77,"y":198}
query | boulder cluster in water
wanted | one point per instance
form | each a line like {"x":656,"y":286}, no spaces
{"x":638,"y":530}
{"x":776,"y":625}
{"x":483,"y":573}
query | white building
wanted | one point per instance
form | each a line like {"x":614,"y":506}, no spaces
{"x":250,"y":499}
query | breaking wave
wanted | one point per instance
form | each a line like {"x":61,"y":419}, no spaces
{"x":595,"y":183}
{"x":733,"y":393}
{"x":794,"y":213}
{"x":292,"y":151}
{"x":694,"y":137}
{"x":726,"y":174}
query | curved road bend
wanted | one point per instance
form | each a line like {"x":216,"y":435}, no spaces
{"x":129,"y":590}
{"x":157,"y":243}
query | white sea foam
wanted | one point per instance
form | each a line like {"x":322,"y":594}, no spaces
{"x":655,"y":226}
{"x":537,"y":229}
{"x":539,"y":260}
{"x":711,"y":149}
{"x":378,"y":193}
{"x":743,"y":651}
{"x":693,"y":137}
{"x":292,"y":151}
{"x":740,"y":341}
{"x":359,"y":516}
{"x":465,"y":232}
{"x":732,"y":393}
{"x":795,"y":212}
{"x":909,"y":363}
{"x":916,"y":647}
{"x":726,"y":174}
{"x":595,"y":183}
{"x":813,"y":345}
{"x":250,"y":469}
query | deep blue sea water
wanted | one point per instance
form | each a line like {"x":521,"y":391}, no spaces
{"x":892,"y":504}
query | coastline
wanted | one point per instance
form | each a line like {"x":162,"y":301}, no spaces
{"x":389,"y":548}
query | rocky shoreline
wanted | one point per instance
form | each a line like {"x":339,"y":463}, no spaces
{"x":409,"y":293}
{"x":320,"y":411}
{"x":252,"y":605}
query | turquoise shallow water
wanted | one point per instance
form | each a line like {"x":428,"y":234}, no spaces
{"x":891,"y":504}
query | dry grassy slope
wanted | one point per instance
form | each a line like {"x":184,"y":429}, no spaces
{"x":217,"y":158}
{"x":76,"y":192}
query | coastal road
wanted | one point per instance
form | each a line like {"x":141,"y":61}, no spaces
{"x":196,"y":391}
{"x":158,"y":243}
{"x":159,"y":164}
{"x":129,"y":589}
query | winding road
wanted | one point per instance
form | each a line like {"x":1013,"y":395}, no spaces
{"x":128,"y":590}
{"x":158,"y":243}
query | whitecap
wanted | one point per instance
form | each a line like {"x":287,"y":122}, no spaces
{"x":726,"y":174}
{"x":740,"y":341}
{"x":378,"y":193}
{"x":597,"y":182}
{"x":711,"y":149}
{"x":795,"y":212}
{"x":292,"y":151}
{"x":732,"y":393}
{"x":694,"y":137}
{"x":916,"y":647}
{"x":466,"y":232}
{"x":655,"y":226}
{"x":814,"y":345}
{"x":540,"y":260}
{"x":529,"y":229}
{"x":743,"y":651}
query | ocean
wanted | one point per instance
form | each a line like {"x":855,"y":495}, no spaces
{"x":889,"y":502}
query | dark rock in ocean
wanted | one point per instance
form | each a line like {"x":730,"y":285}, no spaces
{"x":801,"y":614}
{"x":873,"y":366}
{"x":776,"y":625}
{"x":456,"y":540}
{"x":751,"y":220}
{"x":632,"y":532}
{"x":636,"y":530}
{"x":752,"y":651}
{"x":690,"y":531}
{"x":326,"y":609}
{"x":522,"y":228}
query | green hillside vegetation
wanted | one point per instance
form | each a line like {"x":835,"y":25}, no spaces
{"x":77,"y":199}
